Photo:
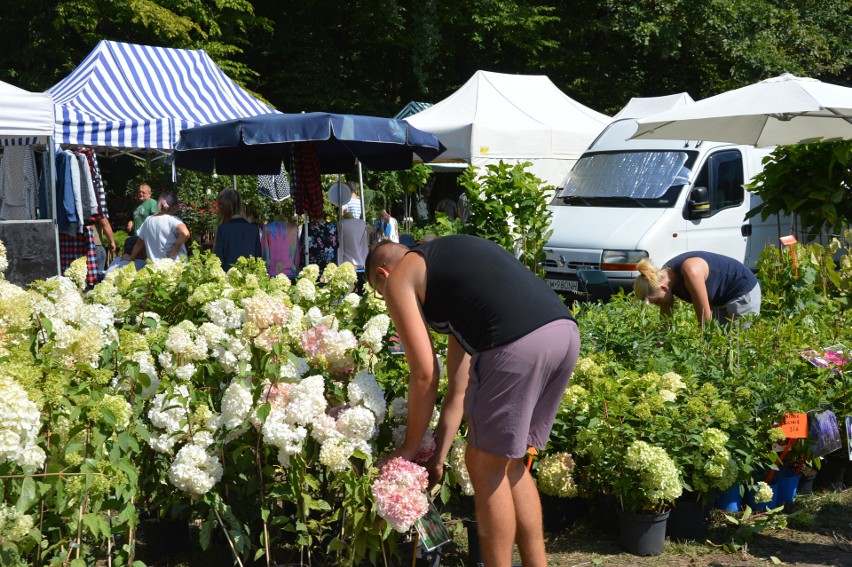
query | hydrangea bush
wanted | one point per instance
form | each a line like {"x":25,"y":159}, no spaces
{"x":253,"y":405}
{"x":711,"y":399}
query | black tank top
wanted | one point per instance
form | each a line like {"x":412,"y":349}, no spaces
{"x":482,"y":294}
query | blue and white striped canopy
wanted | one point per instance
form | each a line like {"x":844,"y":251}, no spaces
{"x":139,"y":97}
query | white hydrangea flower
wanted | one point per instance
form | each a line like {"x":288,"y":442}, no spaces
{"x":225,"y":314}
{"x":364,"y":388}
{"x":281,"y":433}
{"x":357,"y":423}
{"x":335,"y":454}
{"x":762,"y":493}
{"x":375,"y":331}
{"x":185,"y":371}
{"x":324,"y":428}
{"x":78,"y":272}
{"x":14,"y":525}
{"x":310,"y":272}
{"x":236,"y":404}
{"x":672,"y":381}
{"x":194,"y":470}
{"x":306,"y":400}
{"x":457,"y":464}
{"x":305,"y":291}
{"x":20,"y":422}
{"x":185,"y":342}
{"x":313,"y":317}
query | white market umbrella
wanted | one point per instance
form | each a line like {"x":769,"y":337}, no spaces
{"x":779,"y":111}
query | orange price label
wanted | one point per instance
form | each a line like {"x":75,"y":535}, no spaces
{"x":795,"y":425}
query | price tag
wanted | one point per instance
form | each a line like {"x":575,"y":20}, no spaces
{"x":795,"y":425}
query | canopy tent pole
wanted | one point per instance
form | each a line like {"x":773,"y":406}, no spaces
{"x":361,"y":190}
{"x":51,"y":196}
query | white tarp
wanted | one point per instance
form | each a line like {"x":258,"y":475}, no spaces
{"x":640,"y":107}
{"x":513,"y":118}
{"x":25,"y":118}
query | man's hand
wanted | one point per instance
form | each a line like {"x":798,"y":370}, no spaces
{"x":436,"y":473}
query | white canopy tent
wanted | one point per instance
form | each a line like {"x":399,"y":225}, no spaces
{"x":32,"y":249}
{"x":513,"y":118}
{"x":25,"y":118}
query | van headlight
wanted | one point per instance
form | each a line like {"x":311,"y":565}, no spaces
{"x":621,"y":260}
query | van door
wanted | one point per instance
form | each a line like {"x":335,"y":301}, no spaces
{"x":721,"y":230}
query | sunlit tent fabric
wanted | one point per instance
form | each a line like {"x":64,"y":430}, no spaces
{"x":513,"y":118}
{"x":26,"y":118}
{"x":139,"y":97}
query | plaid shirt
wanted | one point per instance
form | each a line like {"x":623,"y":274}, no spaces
{"x":73,"y":247}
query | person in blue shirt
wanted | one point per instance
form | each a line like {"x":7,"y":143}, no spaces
{"x":717,"y":286}
{"x":236,"y":237}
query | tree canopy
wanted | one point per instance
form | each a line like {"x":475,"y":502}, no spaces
{"x":374,"y":57}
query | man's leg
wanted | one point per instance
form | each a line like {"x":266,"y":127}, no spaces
{"x":507,"y":506}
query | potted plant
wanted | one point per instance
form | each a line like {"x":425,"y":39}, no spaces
{"x":556,"y":487}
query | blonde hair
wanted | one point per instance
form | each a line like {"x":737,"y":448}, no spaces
{"x":649,"y":281}
{"x":229,"y":204}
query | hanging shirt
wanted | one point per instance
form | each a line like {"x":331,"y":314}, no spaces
{"x":66,"y":211}
{"x":18,"y":183}
{"x":281,"y":248}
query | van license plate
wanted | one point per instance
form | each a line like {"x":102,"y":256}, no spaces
{"x":563,"y":285}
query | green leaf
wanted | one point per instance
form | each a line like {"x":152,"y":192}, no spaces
{"x":28,"y":495}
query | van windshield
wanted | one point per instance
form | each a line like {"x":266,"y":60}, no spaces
{"x":627,"y":179}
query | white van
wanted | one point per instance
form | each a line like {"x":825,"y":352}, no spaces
{"x":626,"y":200}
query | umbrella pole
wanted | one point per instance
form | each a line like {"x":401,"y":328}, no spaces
{"x":307,"y":252}
{"x":361,"y":192}
{"x":340,"y":197}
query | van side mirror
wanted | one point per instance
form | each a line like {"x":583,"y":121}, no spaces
{"x":698,"y":203}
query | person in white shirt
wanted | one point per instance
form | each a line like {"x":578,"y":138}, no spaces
{"x":353,"y":206}
{"x":162,"y":235}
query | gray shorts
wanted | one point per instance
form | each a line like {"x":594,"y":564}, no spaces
{"x":746,"y":303}
{"x":515,"y":390}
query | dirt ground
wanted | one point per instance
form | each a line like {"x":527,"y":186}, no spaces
{"x":818,"y":535}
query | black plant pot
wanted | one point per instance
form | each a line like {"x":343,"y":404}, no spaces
{"x":687,"y":520}
{"x":561,"y":513}
{"x":642,"y":534}
{"x":806,"y":484}
{"x":606,"y":512}
{"x":831,"y":473}
{"x":161,"y":539}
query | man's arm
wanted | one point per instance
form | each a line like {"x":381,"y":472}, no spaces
{"x":452,"y":408}
{"x":107,"y":229}
{"x":694,"y":272}
{"x":401,"y":296}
